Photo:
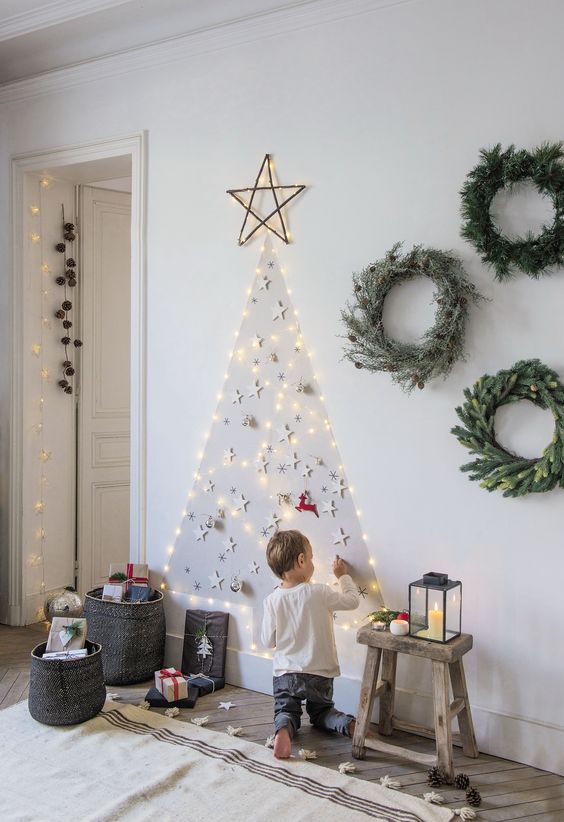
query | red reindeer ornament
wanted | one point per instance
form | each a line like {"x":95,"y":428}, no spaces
{"x":306,"y":506}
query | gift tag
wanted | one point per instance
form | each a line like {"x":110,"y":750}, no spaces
{"x":65,"y":637}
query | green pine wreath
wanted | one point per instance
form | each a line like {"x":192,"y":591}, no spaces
{"x":496,"y":468}
{"x":532,"y":254}
{"x":409,"y":364}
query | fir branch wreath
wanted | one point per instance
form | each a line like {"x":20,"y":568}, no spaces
{"x":410,"y":364}
{"x":495,"y":467}
{"x":499,"y":169}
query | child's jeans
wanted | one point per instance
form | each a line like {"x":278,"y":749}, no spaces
{"x":289,"y":691}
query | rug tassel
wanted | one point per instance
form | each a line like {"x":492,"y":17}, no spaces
{"x":465,"y":813}
{"x":347,"y":767}
{"x":433,"y":797}
{"x":388,"y":782}
{"x":303,"y":753}
{"x":200,"y":720}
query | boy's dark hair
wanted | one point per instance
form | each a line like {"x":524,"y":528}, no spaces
{"x":283,"y":550}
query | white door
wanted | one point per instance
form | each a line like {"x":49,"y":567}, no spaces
{"x":103,"y":401}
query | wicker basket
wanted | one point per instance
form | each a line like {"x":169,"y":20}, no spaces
{"x":132,"y":635}
{"x":66,"y":692}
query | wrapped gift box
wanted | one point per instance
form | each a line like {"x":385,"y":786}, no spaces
{"x":66,"y":634}
{"x":77,"y":653}
{"x":157,"y":700}
{"x":138,"y":593}
{"x":137,"y":573}
{"x":171,"y":684}
{"x":112,"y":592}
{"x":205,"y":644}
{"x":205,"y":684}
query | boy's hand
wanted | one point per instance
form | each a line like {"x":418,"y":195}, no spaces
{"x":340,"y":567}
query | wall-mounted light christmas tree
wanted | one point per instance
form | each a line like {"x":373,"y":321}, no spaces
{"x":270,"y":462}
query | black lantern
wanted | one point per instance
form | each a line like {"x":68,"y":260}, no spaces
{"x":435,"y":607}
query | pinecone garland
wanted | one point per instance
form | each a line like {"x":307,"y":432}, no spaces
{"x":68,"y":226}
{"x":473,"y":797}
{"x":60,"y":247}
{"x":435,"y":777}
{"x":461,"y":781}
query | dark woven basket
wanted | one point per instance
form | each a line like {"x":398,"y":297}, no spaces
{"x":66,"y":692}
{"x":132,"y":635}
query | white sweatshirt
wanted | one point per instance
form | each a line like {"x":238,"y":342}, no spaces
{"x":298,"y":622}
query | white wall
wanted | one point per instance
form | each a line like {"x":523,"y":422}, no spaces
{"x":382,"y":115}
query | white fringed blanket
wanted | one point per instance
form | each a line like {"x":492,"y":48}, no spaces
{"x":130,"y":764}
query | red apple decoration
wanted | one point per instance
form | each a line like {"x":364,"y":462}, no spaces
{"x":403,"y":615}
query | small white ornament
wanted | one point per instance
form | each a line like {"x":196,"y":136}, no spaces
{"x":234,"y":731}
{"x":347,"y":767}
{"x":216,"y":580}
{"x":273,"y":356}
{"x":254,"y":389}
{"x":340,"y":537}
{"x":200,"y":720}
{"x":210,"y":522}
{"x":278,"y":310}
{"x":304,"y":754}
{"x":247,"y":421}
{"x":228,"y":455}
{"x":329,"y":507}
{"x":172,"y":712}
{"x":205,"y":648}
{"x":236,"y":397}
{"x":399,"y":627}
{"x":226,"y":705}
{"x":269,"y":741}
{"x":272,"y":521}
{"x":261,"y":463}
{"x":253,"y":567}
{"x":240,"y":503}
{"x":339,"y":487}
{"x":284,"y":433}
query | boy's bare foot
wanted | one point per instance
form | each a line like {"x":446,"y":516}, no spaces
{"x":282,"y":744}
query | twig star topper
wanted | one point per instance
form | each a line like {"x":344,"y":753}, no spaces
{"x":281,"y":195}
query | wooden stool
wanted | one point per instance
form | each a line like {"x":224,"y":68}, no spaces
{"x":446,"y":659}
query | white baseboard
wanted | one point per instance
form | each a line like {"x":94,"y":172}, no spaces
{"x":508,"y":736}
{"x":9,"y":614}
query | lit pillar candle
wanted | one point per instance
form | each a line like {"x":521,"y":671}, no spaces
{"x":435,"y":623}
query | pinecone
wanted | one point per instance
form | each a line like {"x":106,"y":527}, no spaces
{"x":71,"y":263}
{"x":67,"y":305}
{"x":63,"y":383}
{"x":67,"y":324}
{"x":358,"y":365}
{"x":65,"y":340}
{"x":60,"y":247}
{"x":461,"y":781}
{"x":68,"y":389}
{"x":68,"y":235}
{"x":72,"y":282}
{"x":352,"y":338}
{"x":59,"y":314}
{"x":473,"y":797}
{"x":60,"y":280}
{"x":421,"y":384}
{"x":77,"y":343}
{"x":67,"y":363}
{"x":69,"y":371}
{"x":68,"y":226}
{"x":435,"y":777}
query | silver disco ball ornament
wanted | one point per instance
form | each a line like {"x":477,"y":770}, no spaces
{"x":236,"y":585}
{"x":63,"y":603}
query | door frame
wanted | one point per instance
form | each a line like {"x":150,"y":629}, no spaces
{"x":134,"y":145}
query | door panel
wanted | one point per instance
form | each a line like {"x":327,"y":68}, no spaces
{"x":103,"y":418}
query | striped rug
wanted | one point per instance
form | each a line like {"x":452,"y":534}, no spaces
{"x":130,"y":764}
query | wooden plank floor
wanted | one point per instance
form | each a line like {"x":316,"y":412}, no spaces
{"x":509,"y":790}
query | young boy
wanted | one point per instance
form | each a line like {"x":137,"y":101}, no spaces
{"x":298,"y":623}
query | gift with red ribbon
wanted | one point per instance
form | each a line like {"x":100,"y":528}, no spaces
{"x":129,"y":573}
{"x":171,"y":684}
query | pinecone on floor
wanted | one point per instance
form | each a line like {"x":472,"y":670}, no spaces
{"x":473,"y":797}
{"x":461,"y":781}
{"x":435,"y":777}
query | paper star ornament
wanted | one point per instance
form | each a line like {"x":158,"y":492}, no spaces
{"x":216,"y":580}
